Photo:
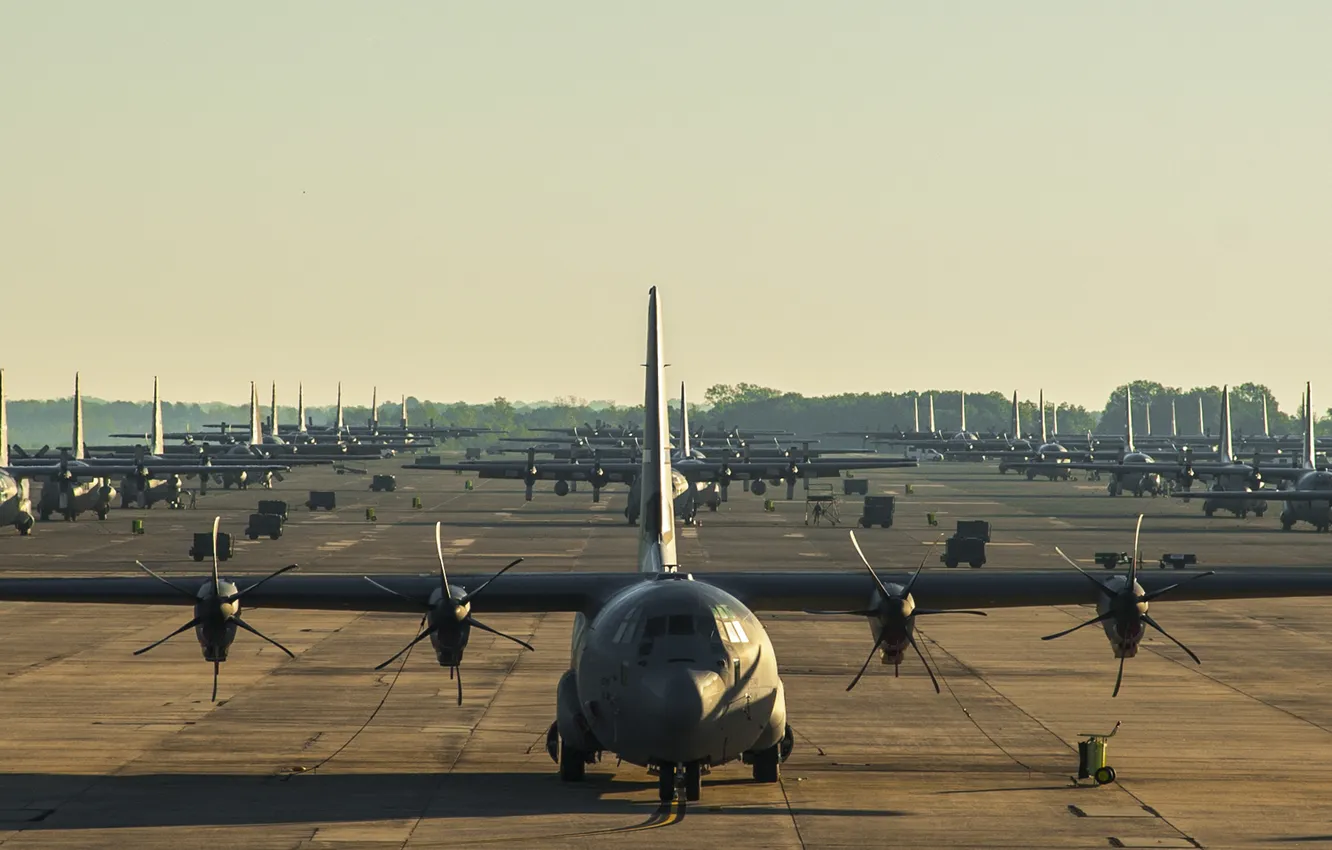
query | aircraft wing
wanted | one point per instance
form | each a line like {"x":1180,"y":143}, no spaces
{"x":1256,"y":495}
{"x":760,"y":590}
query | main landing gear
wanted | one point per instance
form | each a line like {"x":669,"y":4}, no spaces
{"x":684,"y":777}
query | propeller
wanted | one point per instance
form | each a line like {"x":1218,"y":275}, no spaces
{"x":1126,"y":608}
{"x":896,"y":614}
{"x":597,"y":475}
{"x":216,"y":613}
{"x":449,"y":618}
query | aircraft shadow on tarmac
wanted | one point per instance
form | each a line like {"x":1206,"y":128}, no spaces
{"x":196,"y":799}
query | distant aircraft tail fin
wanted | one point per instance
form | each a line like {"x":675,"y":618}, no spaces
{"x":272,"y":413}
{"x":77,"y":436}
{"x":256,"y":426}
{"x":963,"y":405}
{"x":931,"y":399}
{"x":4,"y":423}
{"x":300,"y":407}
{"x":158,"y":446}
{"x":1310,"y":444}
{"x":684,"y":424}
{"x":1174,"y":420}
{"x":338,"y":417}
{"x":915,"y":408}
{"x":1266,"y":430}
{"x":374,"y":409}
{"x":1227,"y":442}
{"x":402,"y":417}
{"x":1045,"y":437}
{"x":1017,"y":418}
{"x":1128,"y":418}
{"x":656,"y":543}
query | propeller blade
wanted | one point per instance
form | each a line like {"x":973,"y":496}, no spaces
{"x":422,"y":636}
{"x":216,"y":665}
{"x":1108,"y":615}
{"x":252,"y":630}
{"x":1119,"y":680}
{"x":483,"y":627}
{"x":866,"y":665}
{"x":217,"y":588}
{"x":819,"y":613}
{"x":1148,"y":597}
{"x":475,"y":593}
{"x":241,"y":593}
{"x":1146,"y":618}
{"x":439,"y":550}
{"x":424,"y":606}
{"x":191,"y":624}
{"x":1133,"y":562}
{"x":912,"y":640}
{"x":458,"y":671}
{"x":883,"y":590}
{"x":1104,"y":590}
{"x":906,"y":591}
{"x":927,"y":611}
{"x":167,"y":582}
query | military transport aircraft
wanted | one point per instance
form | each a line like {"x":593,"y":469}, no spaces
{"x":15,"y":501}
{"x":668,"y":670}
{"x":1311,"y":498}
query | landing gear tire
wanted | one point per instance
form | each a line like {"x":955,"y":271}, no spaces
{"x":1209,"y":512}
{"x":573,"y":764}
{"x":1104,"y":775}
{"x":693,"y":782}
{"x":45,"y":514}
{"x":1258,"y":512}
{"x":1287,"y":525}
{"x":101,"y":514}
{"x":666,"y":783}
{"x":767,"y":765}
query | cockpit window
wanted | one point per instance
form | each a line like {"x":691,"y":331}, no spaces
{"x":728,"y":624}
{"x":625,"y":632}
{"x":656,"y":627}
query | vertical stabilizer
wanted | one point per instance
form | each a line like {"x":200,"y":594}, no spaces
{"x":1045,"y":437}
{"x":1128,"y":418}
{"x":1202,"y":423}
{"x":1174,"y":420}
{"x":338,"y":420}
{"x":932,"y":429}
{"x":963,"y":405}
{"x":1054,"y":421}
{"x":158,"y":448}
{"x":1227,"y":442}
{"x":1309,"y":443}
{"x":1147,"y":412}
{"x":1017,"y":418}
{"x":4,"y":423}
{"x":256,"y":424}
{"x":77,"y":436}
{"x":272,"y":413}
{"x":685,"y":450}
{"x":402,"y":417}
{"x":374,"y":409}
{"x":300,"y":408}
{"x":656,"y":543}
{"x":915,"y":412}
{"x":1266,"y":431}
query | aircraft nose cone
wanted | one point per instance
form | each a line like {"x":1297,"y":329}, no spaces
{"x":683,"y":697}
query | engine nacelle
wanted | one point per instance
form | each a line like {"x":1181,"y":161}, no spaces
{"x":561,"y":487}
{"x":759,"y":487}
{"x":569,"y":720}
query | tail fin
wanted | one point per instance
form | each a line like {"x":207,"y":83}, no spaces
{"x":338,"y":421}
{"x":656,"y":543}
{"x":374,"y":409}
{"x":1017,"y":418}
{"x":403,"y":416}
{"x":932,"y":413}
{"x":1266,"y":431}
{"x":1054,"y":422}
{"x":256,"y":426}
{"x":1128,"y":418}
{"x":1227,"y":442}
{"x":1309,"y":444}
{"x":684,"y":424}
{"x":4,"y":423}
{"x":272,"y":413}
{"x":1045,"y":437}
{"x":1202,"y":423}
{"x":915,"y":406}
{"x":963,"y":405}
{"x":1174,"y":420}
{"x":300,"y":407}
{"x":157,"y":448}
{"x":78,"y":420}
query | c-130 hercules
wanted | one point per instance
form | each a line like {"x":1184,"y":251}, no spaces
{"x":668,"y":670}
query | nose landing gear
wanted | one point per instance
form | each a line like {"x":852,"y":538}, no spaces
{"x":687,"y":778}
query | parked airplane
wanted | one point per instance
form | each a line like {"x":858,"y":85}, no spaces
{"x":671,"y":671}
{"x":15,"y":500}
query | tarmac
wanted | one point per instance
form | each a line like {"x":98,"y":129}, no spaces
{"x":102,"y":749}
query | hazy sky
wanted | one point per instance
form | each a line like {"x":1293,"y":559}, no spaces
{"x":464,"y":200}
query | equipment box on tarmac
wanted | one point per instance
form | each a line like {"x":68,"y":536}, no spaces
{"x":977,"y":528}
{"x":383,"y":483}
{"x":203,"y":546}
{"x":276,"y":507}
{"x":326,"y":499}
{"x":267,"y":525}
{"x":967,"y":545}
{"x":878,"y":511}
{"x":855,"y":486}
